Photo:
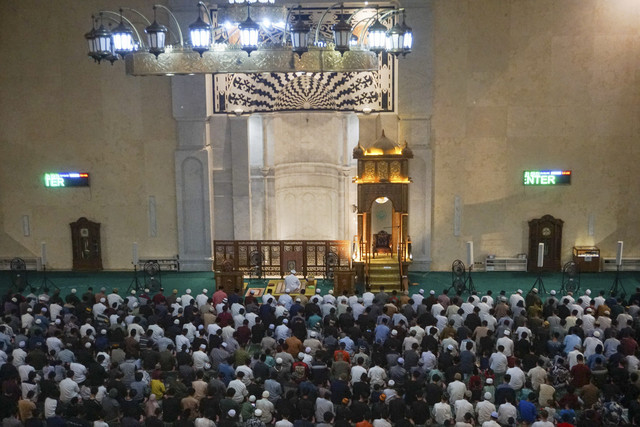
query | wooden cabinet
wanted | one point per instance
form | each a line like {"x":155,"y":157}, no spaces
{"x":587,"y":258}
{"x":344,"y":280}
{"x":547,"y":230}
{"x":505,"y":264}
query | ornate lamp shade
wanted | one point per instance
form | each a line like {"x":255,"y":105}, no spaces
{"x":377,"y":37}
{"x":249,"y":32}
{"x":102,"y":41}
{"x":200,"y":36}
{"x":408,"y":38}
{"x":156,"y":36}
{"x":122,"y":40}
{"x":112,"y":56}
{"x":299,"y":33}
{"x":341,"y":35}
{"x":91,"y":44}
{"x":395,"y":40}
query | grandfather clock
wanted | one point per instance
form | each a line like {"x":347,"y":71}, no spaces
{"x":86,"y":246}
{"x":547,"y":230}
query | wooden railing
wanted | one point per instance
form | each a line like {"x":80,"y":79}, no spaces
{"x":278,"y":257}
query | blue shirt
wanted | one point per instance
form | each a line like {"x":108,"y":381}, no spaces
{"x":528,"y":411}
{"x":381,"y":333}
{"x":570,"y":342}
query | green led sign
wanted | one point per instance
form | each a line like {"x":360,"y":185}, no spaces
{"x":66,"y":179}
{"x":547,"y":177}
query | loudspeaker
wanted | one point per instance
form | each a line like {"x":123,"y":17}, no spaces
{"x":540,"y":255}
{"x":619,"y":252}
{"x":470,"y":253}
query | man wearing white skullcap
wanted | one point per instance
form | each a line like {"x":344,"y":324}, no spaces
{"x":417,"y":299}
{"x":202,"y":298}
{"x":292,"y":283}
{"x":485,"y":408}
{"x":99,"y":308}
{"x":186,"y":298}
{"x":515,"y":299}
{"x":285,"y":299}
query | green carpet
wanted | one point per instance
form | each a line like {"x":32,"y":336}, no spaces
{"x":436,"y":280}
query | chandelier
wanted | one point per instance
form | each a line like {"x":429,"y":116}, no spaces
{"x":250,"y":36}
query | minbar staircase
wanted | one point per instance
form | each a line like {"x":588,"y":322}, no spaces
{"x":384,"y":271}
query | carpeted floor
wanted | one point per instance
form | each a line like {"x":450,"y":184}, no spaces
{"x":196,"y":281}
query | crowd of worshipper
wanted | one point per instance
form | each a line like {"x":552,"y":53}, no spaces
{"x":243,"y":358}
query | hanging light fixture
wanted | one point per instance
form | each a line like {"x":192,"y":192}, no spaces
{"x":299,"y":33}
{"x":122,"y":37}
{"x":105,"y":43}
{"x":377,"y":36}
{"x":200,"y":35}
{"x":156,"y":36}
{"x":90,"y":36}
{"x":341,"y":33}
{"x":249,"y":31}
{"x":112,"y":56}
{"x":408,"y":36}
{"x":102,"y":41}
{"x":395,"y":39}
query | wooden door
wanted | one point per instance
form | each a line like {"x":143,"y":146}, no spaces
{"x":547,"y":230}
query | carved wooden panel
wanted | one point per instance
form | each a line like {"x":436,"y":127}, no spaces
{"x":383,"y":171}
{"x":397,"y":193}
{"x":396,"y":170}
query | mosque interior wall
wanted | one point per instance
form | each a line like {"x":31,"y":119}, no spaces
{"x":491,"y":89}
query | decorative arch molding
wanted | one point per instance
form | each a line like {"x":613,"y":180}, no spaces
{"x":320,"y":91}
{"x":397,"y":194}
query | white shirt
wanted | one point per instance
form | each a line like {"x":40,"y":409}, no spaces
{"x":506,"y":411}
{"x":201,"y":300}
{"x":436,"y":309}
{"x":200,"y":358}
{"x":356,"y":373}
{"x":182,"y":340}
{"x":441,"y":412}
{"x":19,"y":356}
{"x":430,"y":361}
{"x":98,"y":309}
{"x":24,"y":370}
{"x":186,"y":300}
{"x":55,"y":310}
{"x":484,"y":410}
{"x":240,"y":388}
{"x":285,"y":300}
{"x":456,"y":390}
{"x":292,"y":283}
{"x":508,"y":345}
{"x":377,"y":375}
{"x":498,"y":362}
{"x":462,"y":406}
{"x":157,"y":331}
{"x":517,"y":378}
{"x":114,"y":298}
{"x":50,"y":406}
{"x":79,"y":372}
{"x":282,"y":332}
{"x":68,"y":390}
{"x":367,"y":298}
{"x":55,"y":344}
{"x":417,"y":300}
